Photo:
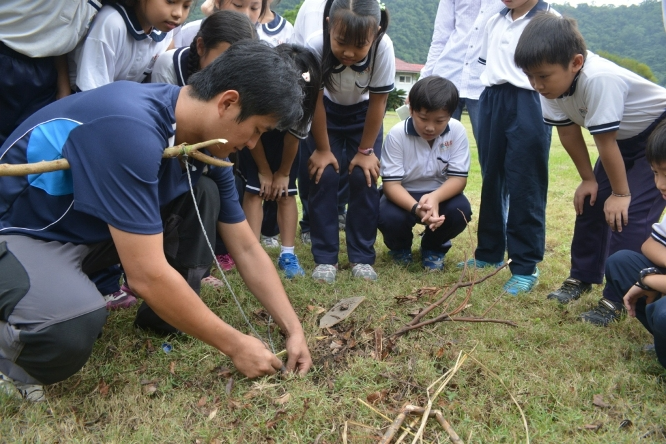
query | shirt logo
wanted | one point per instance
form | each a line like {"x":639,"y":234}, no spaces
{"x":583,"y":111}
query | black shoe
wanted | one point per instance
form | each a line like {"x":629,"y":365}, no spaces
{"x":604,"y":313}
{"x":147,"y":319}
{"x":570,"y":290}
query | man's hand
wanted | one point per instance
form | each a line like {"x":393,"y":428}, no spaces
{"x":586,"y":188}
{"x":299,"y":360}
{"x":319,"y":161}
{"x":633,"y":295}
{"x":253,"y":359}
{"x":369,"y":164}
{"x":616,"y":210}
{"x":280,"y":187}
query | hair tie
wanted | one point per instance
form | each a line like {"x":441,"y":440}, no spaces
{"x":382,"y":6}
{"x":306,"y":76}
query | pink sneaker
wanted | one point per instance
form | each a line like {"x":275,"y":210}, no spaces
{"x":123,"y":298}
{"x":226,"y":261}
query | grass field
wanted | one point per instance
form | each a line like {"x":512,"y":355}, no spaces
{"x":552,"y":364}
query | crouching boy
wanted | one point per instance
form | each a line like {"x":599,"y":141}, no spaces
{"x":424,"y":171}
{"x":640,"y":276}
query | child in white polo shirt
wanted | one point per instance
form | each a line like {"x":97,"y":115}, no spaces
{"x":513,"y":146}
{"x":616,"y":203}
{"x":424,"y":172}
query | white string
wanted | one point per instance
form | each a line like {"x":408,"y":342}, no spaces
{"x":212,"y":250}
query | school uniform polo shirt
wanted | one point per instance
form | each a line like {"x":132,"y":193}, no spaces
{"x":409,"y":159}
{"x":499,"y":47}
{"x":113,"y":138}
{"x":116,"y":48}
{"x":351,"y":81}
{"x":309,"y":20}
{"x":605,"y":97}
{"x":659,"y":232}
{"x":184,"y":34}
{"x":276,"y":32}
{"x":39,"y":28}
{"x":171,"y":67}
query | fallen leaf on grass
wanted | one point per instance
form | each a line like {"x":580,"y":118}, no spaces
{"x":103,"y":388}
{"x":316,"y":309}
{"x":592,"y":427}
{"x":251,"y":394}
{"x":598,"y":400}
{"x":149,"y":346}
{"x":212,"y":414}
{"x":277,"y":418}
{"x":283,"y":399}
{"x":150,"y":389}
{"x":172,"y":367}
{"x":202,"y":401}
{"x":229,"y":387}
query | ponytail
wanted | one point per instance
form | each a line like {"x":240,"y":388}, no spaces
{"x":221,"y":27}
{"x":357,"y":18}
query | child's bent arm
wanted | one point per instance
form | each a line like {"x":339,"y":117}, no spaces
{"x":322,"y":156}
{"x":654,"y":251}
{"x":373,"y":124}
{"x":574,"y":144}
{"x":62,"y":68}
{"x":450,"y":188}
{"x":398,"y":195}
{"x":616,"y":207}
{"x":281,"y":176}
{"x":265,"y":173}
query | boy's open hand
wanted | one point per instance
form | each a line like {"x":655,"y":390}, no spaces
{"x":586,"y":188}
{"x":633,"y":295}
{"x":265,"y":184}
{"x":280,"y":187}
{"x":318,"y":161}
{"x":369,"y":165}
{"x":616,"y":210}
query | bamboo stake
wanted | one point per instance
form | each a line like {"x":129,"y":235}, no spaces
{"x":63,"y":164}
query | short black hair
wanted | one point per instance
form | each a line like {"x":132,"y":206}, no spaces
{"x":655,"y":153}
{"x":433,"y":93}
{"x":268,"y":83}
{"x":551,"y":39}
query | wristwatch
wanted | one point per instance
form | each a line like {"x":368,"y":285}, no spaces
{"x":366,"y":151}
{"x":647,"y":272}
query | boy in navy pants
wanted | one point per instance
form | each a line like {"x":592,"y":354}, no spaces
{"x":424,"y":172}
{"x":616,"y":203}
{"x":513,"y":152}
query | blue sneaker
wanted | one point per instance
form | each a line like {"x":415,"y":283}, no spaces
{"x":401,"y":257}
{"x":289,"y":263}
{"x":432,"y":260}
{"x":477,"y":263}
{"x":522,"y":283}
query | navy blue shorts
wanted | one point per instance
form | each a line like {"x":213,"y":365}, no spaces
{"x":273,"y":142}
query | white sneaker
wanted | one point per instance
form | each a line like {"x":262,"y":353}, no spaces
{"x":31,"y":392}
{"x":270,"y":241}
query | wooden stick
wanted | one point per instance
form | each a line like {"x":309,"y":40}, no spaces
{"x":62,"y":164}
{"x":445,"y":317}
{"x":455,"y":439}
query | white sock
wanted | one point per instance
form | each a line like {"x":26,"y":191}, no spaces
{"x":284,"y":250}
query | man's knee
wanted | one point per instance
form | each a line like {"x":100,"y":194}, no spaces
{"x":58,"y":351}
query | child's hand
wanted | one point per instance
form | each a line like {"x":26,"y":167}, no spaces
{"x":586,"y":188}
{"x":428,"y":212}
{"x":319,"y":161}
{"x":265,"y":184}
{"x":369,"y":164}
{"x":280,"y":188}
{"x":616,"y":210}
{"x":633,"y":295}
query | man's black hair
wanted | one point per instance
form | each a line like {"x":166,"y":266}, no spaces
{"x":268,"y":83}
{"x":550,"y":39}
{"x":655,"y":153}
{"x":433,"y":93}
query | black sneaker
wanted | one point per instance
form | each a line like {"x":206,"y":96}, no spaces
{"x":570,"y":290}
{"x":603,"y":314}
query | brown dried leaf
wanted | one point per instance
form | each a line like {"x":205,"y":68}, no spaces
{"x":172,"y":367}
{"x":593,"y":427}
{"x":270,"y":424}
{"x":379,"y":336}
{"x":251,"y":394}
{"x":373,"y":397}
{"x":229,"y":387}
{"x":439,"y":353}
{"x":598,"y":400}
{"x":149,"y":389}
{"x":202,"y":401}
{"x":283,"y":399}
{"x":149,"y":346}
{"x":212,"y":414}
{"x":405,"y":299}
{"x":316,"y":309}
{"x":103,"y":388}
{"x":222,"y":371}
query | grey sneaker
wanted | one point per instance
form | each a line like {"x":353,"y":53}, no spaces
{"x":364,"y":271}
{"x":305,"y":238}
{"x":270,"y":241}
{"x":31,"y":392}
{"x":325,"y":273}
{"x":342,"y":221}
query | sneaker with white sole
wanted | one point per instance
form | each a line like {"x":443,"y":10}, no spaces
{"x":305,"y":238}
{"x":364,"y":271}
{"x":123,"y":298}
{"x":604,"y":313}
{"x":270,"y":241}
{"x":30,"y":392}
{"x":570,"y":290}
{"x":289,"y":263}
{"x":432,"y":260}
{"x":325,"y":273}
{"x":522,"y":283}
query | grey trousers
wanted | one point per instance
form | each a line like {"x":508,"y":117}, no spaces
{"x":51,"y":312}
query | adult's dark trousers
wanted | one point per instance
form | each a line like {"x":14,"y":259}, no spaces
{"x":396,"y":223}
{"x":26,"y":85}
{"x":622,"y":271}
{"x":513,"y":144}
{"x":593,"y":240}
{"x":345,"y":129}
{"x":50,"y":311}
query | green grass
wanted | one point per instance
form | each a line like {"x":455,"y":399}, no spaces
{"x":551,"y":363}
